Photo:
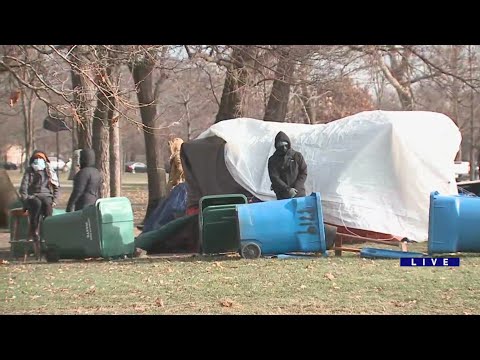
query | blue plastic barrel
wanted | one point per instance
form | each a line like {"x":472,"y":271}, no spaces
{"x":454,"y":224}
{"x":283,"y":226}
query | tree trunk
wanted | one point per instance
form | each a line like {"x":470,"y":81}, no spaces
{"x":74,"y":136}
{"x":278,"y":101}
{"x":27,"y":110}
{"x":397,"y":75}
{"x":82,"y":121}
{"x":308,"y":107}
{"x":143,"y":77}
{"x":115,"y":161}
{"x":455,"y":94}
{"x":236,"y":77}
{"x":406,"y":100}
{"x":472,"y":105}
{"x":100,"y":142}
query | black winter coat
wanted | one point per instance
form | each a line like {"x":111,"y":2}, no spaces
{"x":86,"y":183}
{"x":287,"y":171}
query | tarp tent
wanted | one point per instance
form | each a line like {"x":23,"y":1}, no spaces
{"x":203,"y":163}
{"x":375,"y":170}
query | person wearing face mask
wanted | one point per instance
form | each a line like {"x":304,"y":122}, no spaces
{"x":39,"y":190}
{"x":287,"y":169}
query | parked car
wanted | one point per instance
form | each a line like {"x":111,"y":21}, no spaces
{"x":9,"y":166}
{"x":135,"y":167}
{"x":462,"y":171}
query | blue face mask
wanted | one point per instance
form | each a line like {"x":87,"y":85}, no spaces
{"x":39,"y":164}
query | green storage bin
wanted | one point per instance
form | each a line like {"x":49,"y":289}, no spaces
{"x":104,"y":229}
{"x":218,"y":223}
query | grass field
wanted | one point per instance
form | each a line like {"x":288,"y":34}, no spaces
{"x":231,"y":285}
{"x":192,"y":284}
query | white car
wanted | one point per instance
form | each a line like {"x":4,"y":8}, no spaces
{"x":53,"y":163}
{"x":462,"y":167}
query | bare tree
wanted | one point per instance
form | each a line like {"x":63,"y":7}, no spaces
{"x":27,"y":103}
{"x":142,"y":72}
{"x":277,"y":106}
{"x":236,"y":79}
{"x":81,"y":110}
{"x":100,"y":138}
{"x":115,"y":160}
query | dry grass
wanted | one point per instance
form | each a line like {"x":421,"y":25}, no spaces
{"x":231,"y":285}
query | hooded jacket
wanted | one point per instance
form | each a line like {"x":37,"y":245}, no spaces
{"x":44,"y":182}
{"x":176,"y":174}
{"x":86,"y":183}
{"x":287,"y":170}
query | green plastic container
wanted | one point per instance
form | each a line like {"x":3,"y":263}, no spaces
{"x":104,"y":229}
{"x":218,"y":223}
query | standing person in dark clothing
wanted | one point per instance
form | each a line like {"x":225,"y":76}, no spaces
{"x":287,"y":169}
{"x":39,"y":190}
{"x":86,"y":183}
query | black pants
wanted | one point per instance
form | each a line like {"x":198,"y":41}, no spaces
{"x":39,"y":206}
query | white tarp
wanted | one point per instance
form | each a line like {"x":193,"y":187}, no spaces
{"x":374,"y":170}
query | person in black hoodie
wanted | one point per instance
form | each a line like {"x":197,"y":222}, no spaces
{"x":287,"y":169}
{"x":39,"y":190}
{"x":86,"y":183}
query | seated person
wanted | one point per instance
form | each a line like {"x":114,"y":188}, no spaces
{"x":39,"y":190}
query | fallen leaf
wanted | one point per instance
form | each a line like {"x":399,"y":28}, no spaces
{"x":139,"y":308}
{"x":14,"y":96}
{"x":226,"y":303}
{"x":159,"y":302}
{"x":34,"y":297}
{"x":329,"y":276}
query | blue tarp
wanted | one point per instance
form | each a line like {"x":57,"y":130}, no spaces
{"x":173,"y":206}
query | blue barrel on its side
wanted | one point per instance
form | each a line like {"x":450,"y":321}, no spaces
{"x":281,"y":226}
{"x":454,"y":224}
